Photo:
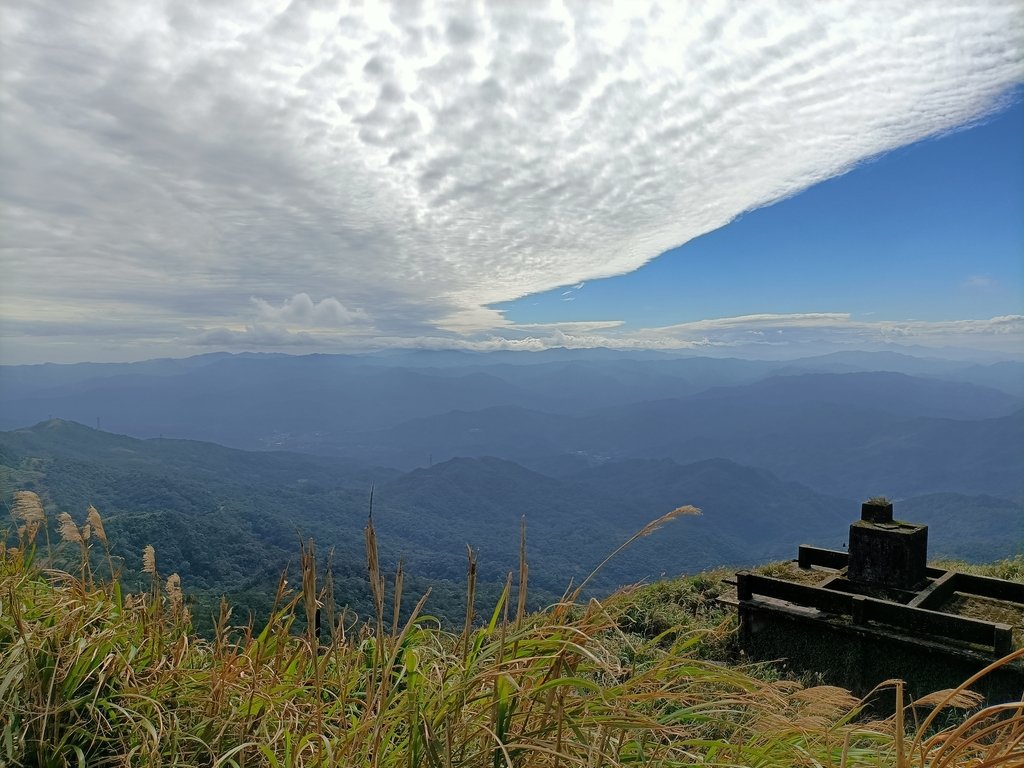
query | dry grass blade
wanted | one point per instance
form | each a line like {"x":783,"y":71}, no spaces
{"x":310,"y":599}
{"x":374,"y":573}
{"x":901,"y":755}
{"x":327,"y":594}
{"x":396,"y":603}
{"x":524,"y":572}
{"x":470,"y":598}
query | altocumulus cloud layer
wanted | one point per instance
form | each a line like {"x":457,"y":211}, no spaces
{"x":302,"y":174}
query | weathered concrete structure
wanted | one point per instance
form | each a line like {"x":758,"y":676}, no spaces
{"x":886,"y":552}
{"x":878,"y":612}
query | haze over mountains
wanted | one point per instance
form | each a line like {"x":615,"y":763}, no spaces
{"x":587,"y":446}
{"x":832,"y":422}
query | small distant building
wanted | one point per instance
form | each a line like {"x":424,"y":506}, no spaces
{"x":879,"y":612}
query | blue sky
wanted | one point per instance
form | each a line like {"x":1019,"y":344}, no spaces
{"x":931,"y":231}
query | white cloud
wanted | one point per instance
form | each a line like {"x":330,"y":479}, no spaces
{"x":752,"y":335}
{"x":409,"y":165}
{"x":822,"y":330}
{"x":301,"y":310}
{"x":836,"y":328}
{"x":574,"y":326}
{"x":1003,"y":334}
{"x":743,"y":322}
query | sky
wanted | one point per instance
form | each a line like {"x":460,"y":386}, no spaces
{"x":914,"y":239}
{"x":721,"y":178}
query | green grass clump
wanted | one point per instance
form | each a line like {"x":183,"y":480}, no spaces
{"x":90,"y":676}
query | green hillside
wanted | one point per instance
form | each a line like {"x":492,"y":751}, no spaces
{"x":229,"y":521}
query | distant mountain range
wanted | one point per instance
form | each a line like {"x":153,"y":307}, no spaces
{"x":841,"y":423}
{"x":838,"y":433}
{"x":587,"y":445}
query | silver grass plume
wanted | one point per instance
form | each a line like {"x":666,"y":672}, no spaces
{"x":651,"y":527}
{"x":173,"y":587}
{"x":68,"y":530}
{"x":96,"y":522}
{"x":28,"y":508}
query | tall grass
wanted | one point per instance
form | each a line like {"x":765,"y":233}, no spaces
{"x":92,"y":677}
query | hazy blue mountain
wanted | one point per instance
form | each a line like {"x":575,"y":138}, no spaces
{"x":981,"y":528}
{"x":837,"y":433}
{"x":833,"y":431}
{"x":1007,"y":376}
{"x":926,"y":455}
{"x":508,"y":432}
{"x":261,"y":401}
{"x":66,"y":440}
{"x":742,"y":502}
{"x":20,"y":380}
{"x":450,"y":358}
{"x":882,"y":391}
{"x":864,"y":361}
{"x":572,"y":387}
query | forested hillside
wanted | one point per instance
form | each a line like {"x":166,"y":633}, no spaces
{"x":229,"y":521}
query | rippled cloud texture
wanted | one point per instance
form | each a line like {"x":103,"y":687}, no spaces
{"x":299,"y":174}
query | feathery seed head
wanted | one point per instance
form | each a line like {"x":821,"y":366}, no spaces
{"x":149,"y":560}
{"x":68,"y":530}
{"x":654,"y":525}
{"x":961,"y":699}
{"x":28,"y":508}
{"x":96,"y":522}
{"x":173,"y":587}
